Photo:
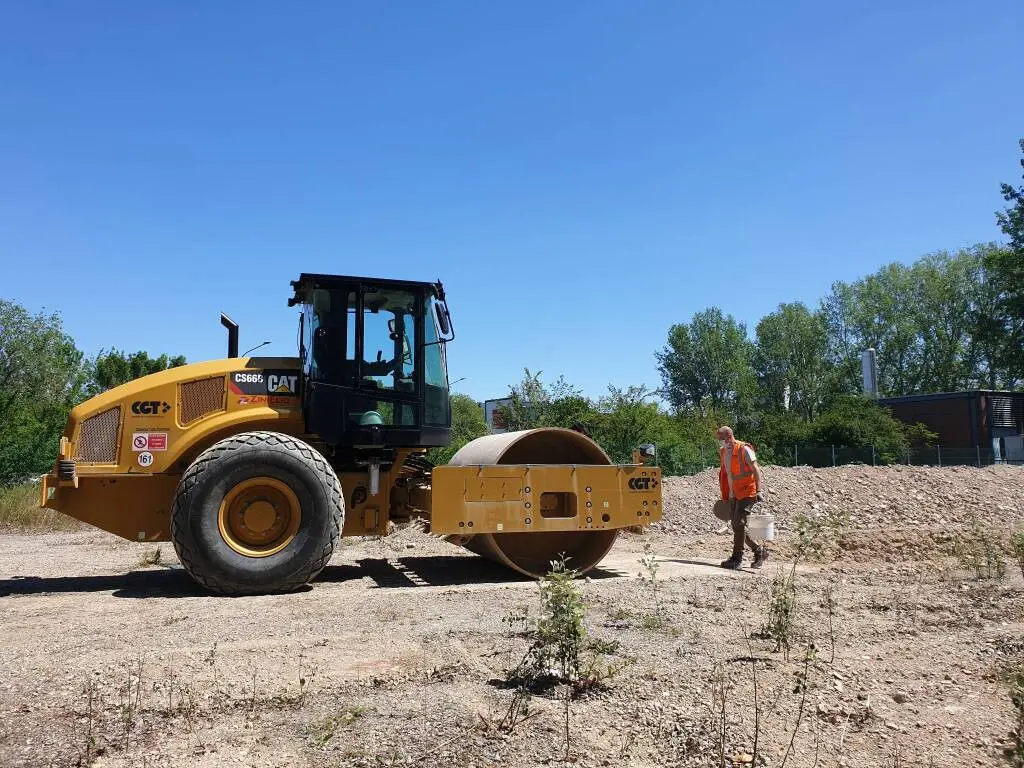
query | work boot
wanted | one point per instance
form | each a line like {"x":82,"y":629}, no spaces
{"x":733,"y":563}
{"x":760,"y":558}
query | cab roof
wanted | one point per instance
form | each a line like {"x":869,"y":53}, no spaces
{"x":309,"y":281}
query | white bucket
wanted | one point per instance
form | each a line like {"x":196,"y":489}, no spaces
{"x":761,"y":526}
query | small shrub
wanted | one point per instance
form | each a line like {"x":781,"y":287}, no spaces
{"x":322,"y":731}
{"x":830,"y":601}
{"x":817,"y":534}
{"x":652,"y":621}
{"x":558,"y":636}
{"x":1018,"y":550}
{"x":620,"y":614}
{"x":780,"y":622}
{"x":305,"y":679}
{"x":649,"y":576}
{"x":981,"y":551}
{"x":560,"y":650}
{"x":560,"y":654}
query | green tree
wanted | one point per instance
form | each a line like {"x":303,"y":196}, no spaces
{"x":947,"y":286}
{"x":844,"y":343}
{"x":944,"y":323}
{"x":619,"y":422}
{"x":1007,"y":270}
{"x":856,"y":422}
{"x":534,"y":404}
{"x":705,"y":362}
{"x":1011,"y":220}
{"x":1004,"y":329}
{"x":774,"y":434}
{"x":113,"y":368}
{"x":41,"y":379}
{"x":629,"y":418}
{"x":467,"y":424}
{"x":791,"y":360}
{"x":883,"y":316}
{"x":570,"y":410}
{"x":987,"y":326}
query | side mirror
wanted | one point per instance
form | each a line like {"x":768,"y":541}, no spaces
{"x":391,"y":325}
{"x":441,"y":311}
{"x":649,"y":450}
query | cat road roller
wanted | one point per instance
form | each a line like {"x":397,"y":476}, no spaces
{"x":254,"y":466}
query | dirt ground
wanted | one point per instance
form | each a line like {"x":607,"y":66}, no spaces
{"x":397,"y":654}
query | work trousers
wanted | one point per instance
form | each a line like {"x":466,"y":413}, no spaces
{"x":740,"y":511}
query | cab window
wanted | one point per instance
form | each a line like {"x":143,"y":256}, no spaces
{"x":436,"y":381}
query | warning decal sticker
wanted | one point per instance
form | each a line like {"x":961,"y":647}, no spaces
{"x":149,"y":441}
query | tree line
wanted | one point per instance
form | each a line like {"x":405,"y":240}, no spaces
{"x":948,"y":321}
{"x":43,"y":375}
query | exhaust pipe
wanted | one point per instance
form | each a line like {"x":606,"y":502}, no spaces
{"x":232,"y":327}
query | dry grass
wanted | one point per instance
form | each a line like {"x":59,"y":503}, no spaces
{"x":20,"y":512}
{"x":151,"y":557}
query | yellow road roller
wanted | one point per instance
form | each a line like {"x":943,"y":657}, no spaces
{"x":254,"y":466}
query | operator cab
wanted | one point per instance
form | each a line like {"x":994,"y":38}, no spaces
{"x":373,"y":359}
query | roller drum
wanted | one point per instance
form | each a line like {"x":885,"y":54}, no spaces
{"x":531,"y":553}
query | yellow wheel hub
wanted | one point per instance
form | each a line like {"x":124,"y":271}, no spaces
{"x":259,"y":517}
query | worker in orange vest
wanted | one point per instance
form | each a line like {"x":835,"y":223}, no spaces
{"x":742,"y":484}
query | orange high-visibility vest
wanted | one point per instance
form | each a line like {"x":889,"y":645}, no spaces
{"x":744,"y":483}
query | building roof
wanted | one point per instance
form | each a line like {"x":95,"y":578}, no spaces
{"x":951,"y":395}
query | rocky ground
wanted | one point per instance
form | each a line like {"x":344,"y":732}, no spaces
{"x":904,"y":627}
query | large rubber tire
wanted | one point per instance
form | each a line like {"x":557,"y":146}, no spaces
{"x":196,"y":513}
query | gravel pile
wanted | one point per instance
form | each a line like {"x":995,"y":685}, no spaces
{"x":873,"y":497}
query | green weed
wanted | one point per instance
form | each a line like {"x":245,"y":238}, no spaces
{"x":980,"y":551}
{"x":321,"y":732}
{"x":1018,"y":550}
{"x":780,"y":622}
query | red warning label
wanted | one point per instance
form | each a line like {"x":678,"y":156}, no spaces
{"x":149,"y":441}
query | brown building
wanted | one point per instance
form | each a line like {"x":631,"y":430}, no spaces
{"x":981,"y":422}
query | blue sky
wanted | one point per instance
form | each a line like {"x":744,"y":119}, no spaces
{"x":580,"y":175}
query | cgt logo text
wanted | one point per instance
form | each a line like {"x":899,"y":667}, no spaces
{"x":150,"y":408}
{"x":642,"y":483}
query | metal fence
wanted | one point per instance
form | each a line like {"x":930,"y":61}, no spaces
{"x":807,"y":455}
{"x":837,"y":455}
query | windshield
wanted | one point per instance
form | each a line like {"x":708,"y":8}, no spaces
{"x":389,"y":322}
{"x":369,"y":343}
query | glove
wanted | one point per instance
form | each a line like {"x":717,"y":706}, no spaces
{"x":760,"y":495}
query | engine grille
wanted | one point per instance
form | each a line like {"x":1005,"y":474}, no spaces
{"x":97,"y":438}
{"x":200,"y":398}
